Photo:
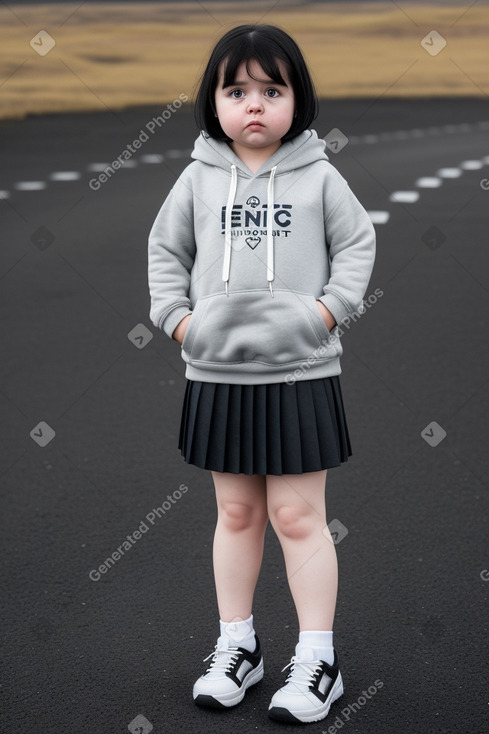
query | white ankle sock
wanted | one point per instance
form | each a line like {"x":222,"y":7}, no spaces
{"x":319,"y":642}
{"x":240,"y":632}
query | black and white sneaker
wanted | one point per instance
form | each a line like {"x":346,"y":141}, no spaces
{"x":310,"y":689}
{"x":232,"y":670}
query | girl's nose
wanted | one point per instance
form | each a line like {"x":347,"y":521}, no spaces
{"x":255,"y":104}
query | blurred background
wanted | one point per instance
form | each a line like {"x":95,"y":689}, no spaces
{"x":125,"y":54}
{"x":96,"y":125}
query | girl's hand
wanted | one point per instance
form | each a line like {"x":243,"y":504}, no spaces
{"x":181,"y":328}
{"x":326,"y":315}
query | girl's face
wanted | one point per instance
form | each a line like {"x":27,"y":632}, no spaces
{"x":255,"y":113}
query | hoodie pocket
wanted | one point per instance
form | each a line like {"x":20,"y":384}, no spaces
{"x":251,"y":326}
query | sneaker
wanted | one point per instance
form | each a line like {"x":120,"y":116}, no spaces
{"x":310,"y":689}
{"x":232,"y":670}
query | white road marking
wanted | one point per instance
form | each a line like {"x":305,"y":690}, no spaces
{"x":376,"y":216}
{"x":65,"y":176}
{"x":449,"y":128}
{"x":379,"y":217}
{"x":404,"y":197}
{"x":97,"y":167}
{"x":418,"y":132}
{"x":151,"y":158}
{"x":30,"y":185}
{"x":175,"y":153}
{"x":428,"y":182}
{"x":449,"y":172}
{"x":471,"y":165}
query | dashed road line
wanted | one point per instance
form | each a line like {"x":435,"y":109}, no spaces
{"x":152,"y":158}
{"x":178,"y":153}
{"x":404,"y":197}
{"x":471,"y":165}
{"x":428,"y":182}
{"x":97,"y":167}
{"x":65,"y":176}
{"x":30,"y":185}
{"x":449,"y":172}
{"x":376,"y":216}
{"x":379,"y":217}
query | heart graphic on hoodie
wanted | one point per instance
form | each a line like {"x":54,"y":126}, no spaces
{"x":253,"y":242}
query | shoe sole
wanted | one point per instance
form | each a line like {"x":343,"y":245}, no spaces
{"x":227,"y":700}
{"x":279,"y":713}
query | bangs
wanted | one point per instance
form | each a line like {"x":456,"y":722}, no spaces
{"x":269,"y":63}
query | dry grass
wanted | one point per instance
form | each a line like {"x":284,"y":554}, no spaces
{"x":113,"y":56}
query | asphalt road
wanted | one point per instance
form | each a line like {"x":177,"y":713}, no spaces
{"x":90,"y":405}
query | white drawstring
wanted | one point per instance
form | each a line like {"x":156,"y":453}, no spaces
{"x":270,"y":209}
{"x":226,"y":266}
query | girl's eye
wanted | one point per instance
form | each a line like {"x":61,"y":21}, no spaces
{"x":237,"y":93}
{"x":272,"y":92}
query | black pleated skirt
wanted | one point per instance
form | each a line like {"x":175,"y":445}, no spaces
{"x":264,"y":429}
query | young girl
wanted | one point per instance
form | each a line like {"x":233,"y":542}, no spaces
{"x":258,"y":252}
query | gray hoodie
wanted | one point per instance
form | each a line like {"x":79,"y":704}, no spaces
{"x":248,"y":254}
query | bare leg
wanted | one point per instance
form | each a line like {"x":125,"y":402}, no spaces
{"x":297,"y":511}
{"x":238,"y":541}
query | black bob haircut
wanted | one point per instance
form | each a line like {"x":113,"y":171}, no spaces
{"x":265,"y":44}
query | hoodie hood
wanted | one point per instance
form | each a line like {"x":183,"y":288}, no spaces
{"x":301,"y":151}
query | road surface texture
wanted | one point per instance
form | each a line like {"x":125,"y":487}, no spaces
{"x":90,"y":407}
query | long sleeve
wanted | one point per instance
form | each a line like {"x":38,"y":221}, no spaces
{"x":171,"y":254}
{"x":351,"y":242}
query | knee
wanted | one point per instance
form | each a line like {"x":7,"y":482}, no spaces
{"x":292,"y":523}
{"x":238,"y":516}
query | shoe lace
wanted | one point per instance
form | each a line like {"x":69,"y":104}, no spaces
{"x":302,"y":672}
{"x":222,"y":658}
